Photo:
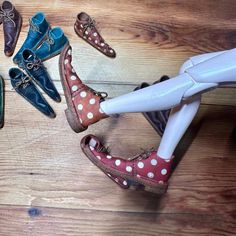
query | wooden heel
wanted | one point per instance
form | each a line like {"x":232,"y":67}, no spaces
{"x":74,"y":121}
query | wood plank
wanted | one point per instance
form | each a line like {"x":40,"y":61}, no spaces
{"x":41,"y":162}
{"x":154,"y":42}
{"x":16,"y":220}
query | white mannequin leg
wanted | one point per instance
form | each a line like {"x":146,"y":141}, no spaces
{"x":182,"y":115}
{"x":160,"y":96}
{"x":192,"y":61}
{"x":217,"y":68}
{"x":178,"y":122}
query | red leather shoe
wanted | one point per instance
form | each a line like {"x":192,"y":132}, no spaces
{"x":83,"y":102}
{"x":146,"y":171}
{"x":86,"y":29}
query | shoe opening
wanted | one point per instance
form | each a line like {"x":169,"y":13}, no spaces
{"x":7,"y":5}
{"x":28,"y":55}
{"x":14,"y":73}
{"x":38,"y":18}
{"x":82,"y":16}
{"x":56,"y":33}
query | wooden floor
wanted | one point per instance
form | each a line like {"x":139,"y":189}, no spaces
{"x":48,"y":187}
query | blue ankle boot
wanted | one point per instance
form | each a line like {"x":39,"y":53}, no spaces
{"x":53,"y":45}
{"x":36,"y":70}
{"x":27,"y":89}
{"x":37,"y":31}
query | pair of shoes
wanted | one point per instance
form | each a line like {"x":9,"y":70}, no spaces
{"x":82,"y":101}
{"x":86,"y":29}
{"x":12,"y":22}
{"x":24,"y":85}
{"x":145,"y":171}
{"x":44,"y":41}
{"x":27,"y":89}
{"x":2,"y":98}
{"x":157,"y":119}
{"x":148,"y":172}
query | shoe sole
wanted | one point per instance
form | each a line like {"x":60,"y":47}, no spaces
{"x":70,"y":112}
{"x":136,"y":182}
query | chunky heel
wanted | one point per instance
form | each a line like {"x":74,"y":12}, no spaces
{"x":74,"y":122}
{"x":160,"y":189}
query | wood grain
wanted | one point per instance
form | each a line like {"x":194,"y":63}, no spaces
{"x":43,"y":167}
{"x":60,"y":222}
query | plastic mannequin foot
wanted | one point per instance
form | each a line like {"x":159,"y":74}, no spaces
{"x":145,"y":171}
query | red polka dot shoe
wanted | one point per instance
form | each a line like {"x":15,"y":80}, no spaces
{"x":83,"y":102}
{"x":86,"y":29}
{"x":146,"y":171}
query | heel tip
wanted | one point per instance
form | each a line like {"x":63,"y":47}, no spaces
{"x":74,"y":123}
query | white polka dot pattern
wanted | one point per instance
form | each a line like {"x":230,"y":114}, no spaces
{"x":150,"y":175}
{"x":74,"y":88}
{"x":90,"y":115}
{"x":140,"y":165}
{"x":153,"y":162}
{"x":129,"y":168}
{"x":92,"y":101}
{"x":80,"y":107}
{"x":163,"y":171}
{"x":117,"y":162}
{"x":73,"y":77}
{"x":83,"y":94}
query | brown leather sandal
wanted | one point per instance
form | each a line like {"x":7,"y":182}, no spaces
{"x":86,"y":29}
{"x":83,"y":102}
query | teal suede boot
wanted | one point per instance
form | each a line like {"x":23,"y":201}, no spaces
{"x":38,"y":29}
{"x":53,"y":45}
